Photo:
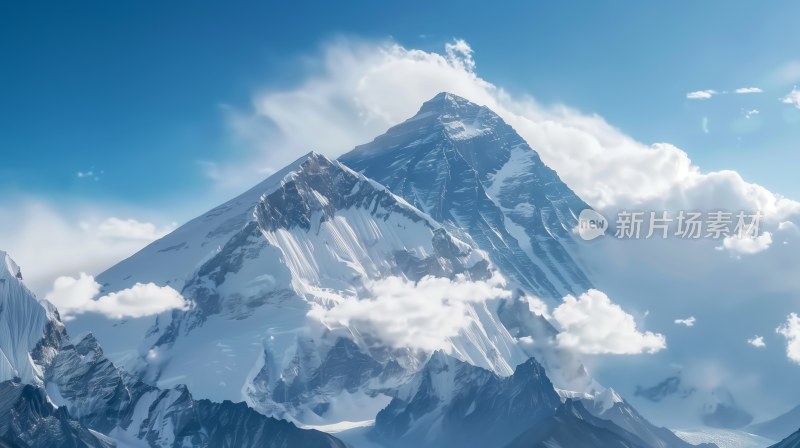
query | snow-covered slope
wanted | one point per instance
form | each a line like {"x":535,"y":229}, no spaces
{"x":322,"y":236}
{"x":609,"y":405}
{"x":171,"y":260}
{"x":779,"y":427}
{"x":724,"y":438}
{"x":27,"y":327}
{"x":69,"y":394}
{"x":280,"y":278}
{"x":467,"y":168}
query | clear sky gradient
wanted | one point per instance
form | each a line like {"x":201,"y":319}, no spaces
{"x":132,"y":91}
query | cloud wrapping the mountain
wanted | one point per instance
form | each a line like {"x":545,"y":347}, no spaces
{"x":77,"y":295}
{"x":51,"y":240}
{"x":422,"y":315}
{"x":363,"y":88}
{"x":592,"y":324}
{"x":70,"y":295}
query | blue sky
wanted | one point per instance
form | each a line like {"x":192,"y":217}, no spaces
{"x":134,"y":90}
{"x":141,"y":94}
{"x":165,"y":103}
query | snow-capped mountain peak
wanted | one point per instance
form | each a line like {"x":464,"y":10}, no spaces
{"x":464,"y":166}
{"x":606,"y":399}
{"x":28,"y":327}
{"x":9,"y":268}
{"x":319,"y":238}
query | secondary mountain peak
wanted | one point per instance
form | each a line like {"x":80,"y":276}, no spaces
{"x":8,"y":268}
{"x":28,"y":327}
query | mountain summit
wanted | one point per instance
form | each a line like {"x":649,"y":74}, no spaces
{"x":463,"y":165}
{"x":262,"y":275}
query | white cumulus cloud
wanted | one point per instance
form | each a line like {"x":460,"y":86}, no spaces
{"x":421,"y":315}
{"x":757,"y":341}
{"x":793,"y":98}
{"x":78,"y":295}
{"x":592,"y":324}
{"x":688,"y":322}
{"x":743,"y":90}
{"x":791,"y":331}
{"x":747,"y":245}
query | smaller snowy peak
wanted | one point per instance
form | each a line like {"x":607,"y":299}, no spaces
{"x":29,"y":329}
{"x":452,"y":403}
{"x":9,"y":269}
{"x":606,"y":399}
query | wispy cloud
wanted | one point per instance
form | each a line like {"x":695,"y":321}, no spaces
{"x":701,"y":94}
{"x":688,"y":322}
{"x":742,"y":90}
{"x":751,"y":113}
{"x":51,"y":240}
{"x":90,"y":174}
{"x":706,"y":94}
{"x":114,"y":227}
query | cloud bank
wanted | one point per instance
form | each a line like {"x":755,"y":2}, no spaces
{"x":592,"y":324}
{"x":49,"y":242}
{"x":363,"y":88}
{"x":422,"y":315}
{"x":78,"y":295}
